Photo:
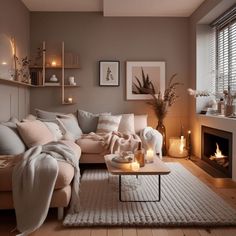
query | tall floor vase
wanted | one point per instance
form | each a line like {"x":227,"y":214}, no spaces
{"x":162,"y":129}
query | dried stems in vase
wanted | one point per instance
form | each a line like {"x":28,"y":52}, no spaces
{"x":161,"y":103}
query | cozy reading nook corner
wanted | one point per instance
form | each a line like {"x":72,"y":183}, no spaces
{"x":118,"y":117}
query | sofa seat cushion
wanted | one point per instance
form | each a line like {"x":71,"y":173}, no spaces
{"x":64,"y":178}
{"x":90,"y":146}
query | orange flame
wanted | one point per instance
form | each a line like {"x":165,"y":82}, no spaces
{"x":218,"y":153}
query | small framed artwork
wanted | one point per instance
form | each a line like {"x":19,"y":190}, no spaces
{"x":143,"y":76}
{"x":109,"y":73}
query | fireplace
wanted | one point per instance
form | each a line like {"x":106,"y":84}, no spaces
{"x":216,"y":149}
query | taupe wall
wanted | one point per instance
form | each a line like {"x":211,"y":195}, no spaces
{"x":14,"y":22}
{"x":96,"y":38}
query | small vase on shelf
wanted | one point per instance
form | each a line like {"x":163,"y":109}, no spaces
{"x":162,"y":129}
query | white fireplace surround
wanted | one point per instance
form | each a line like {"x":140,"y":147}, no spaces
{"x":222,"y":123}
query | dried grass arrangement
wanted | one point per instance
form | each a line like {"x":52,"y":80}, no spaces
{"x":161,"y":103}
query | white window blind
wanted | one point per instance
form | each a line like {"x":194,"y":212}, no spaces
{"x":226,"y":52}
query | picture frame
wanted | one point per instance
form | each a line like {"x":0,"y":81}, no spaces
{"x":139,"y":71}
{"x":109,"y":73}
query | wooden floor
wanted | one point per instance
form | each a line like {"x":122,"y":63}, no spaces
{"x":224,"y":187}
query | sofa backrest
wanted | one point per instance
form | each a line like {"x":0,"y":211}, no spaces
{"x":140,"y":122}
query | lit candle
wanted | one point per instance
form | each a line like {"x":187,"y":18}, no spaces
{"x":182,"y":143}
{"x":149,"y":156}
{"x":54,"y":63}
{"x":70,"y":100}
{"x":177,"y":147}
{"x":189,"y":143}
{"x":135,"y":166}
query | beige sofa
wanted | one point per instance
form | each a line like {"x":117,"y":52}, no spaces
{"x":62,"y":192}
{"x":88,"y":151}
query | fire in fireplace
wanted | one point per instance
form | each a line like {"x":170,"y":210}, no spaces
{"x":217,"y":149}
{"x":219,"y":158}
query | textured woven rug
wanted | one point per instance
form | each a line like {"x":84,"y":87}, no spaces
{"x":186,"y":201}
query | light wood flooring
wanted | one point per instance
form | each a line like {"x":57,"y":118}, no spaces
{"x":224,"y":187}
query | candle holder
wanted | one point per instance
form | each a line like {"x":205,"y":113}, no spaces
{"x":189,"y":146}
{"x":177,"y":147}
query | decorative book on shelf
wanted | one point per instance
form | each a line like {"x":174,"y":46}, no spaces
{"x":36,"y":77}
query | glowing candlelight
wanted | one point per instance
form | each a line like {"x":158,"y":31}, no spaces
{"x":182,"y":144}
{"x":149,"y":156}
{"x":70,"y":100}
{"x":177,"y":147}
{"x":54,"y":63}
{"x":135,"y":166}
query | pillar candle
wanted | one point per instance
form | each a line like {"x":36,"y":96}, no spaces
{"x":149,"y":156}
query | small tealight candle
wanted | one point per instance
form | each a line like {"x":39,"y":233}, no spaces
{"x":54,"y":63}
{"x":149,"y":156}
{"x":135,"y":166}
{"x":70,"y":100}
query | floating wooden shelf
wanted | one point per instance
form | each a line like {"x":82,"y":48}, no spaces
{"x":14,"y":83}
{"x":53,"y":86}
{"x":68,"y":103}
{"x":56,"y":67}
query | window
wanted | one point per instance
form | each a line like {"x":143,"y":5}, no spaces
{"x":226,"y":51}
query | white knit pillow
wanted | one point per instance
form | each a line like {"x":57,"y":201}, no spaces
{"x":127,"y":124}
{"x":108,"y":123}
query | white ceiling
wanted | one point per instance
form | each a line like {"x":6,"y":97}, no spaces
{"x":178,"y":8}
{"x":64,"y":5}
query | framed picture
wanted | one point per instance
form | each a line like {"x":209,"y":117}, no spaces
{"x":109,"y":72}
{"x":141,"y":76}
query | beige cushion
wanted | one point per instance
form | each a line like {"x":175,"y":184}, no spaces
{"x":108,"y":123}
{"x":65,"y":175}
{"x":140,"y":122}
{"x":127,"y":124}
{"x":34,"y":133}
{"x":90,"y":146}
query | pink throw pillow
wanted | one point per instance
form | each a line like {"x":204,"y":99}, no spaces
{"x":34,"y":133}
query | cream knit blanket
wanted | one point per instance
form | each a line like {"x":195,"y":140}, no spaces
{"x":33,"y":182}
{"x":115,"y":141}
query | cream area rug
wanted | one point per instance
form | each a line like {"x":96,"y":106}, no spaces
{"x":186,"y":201}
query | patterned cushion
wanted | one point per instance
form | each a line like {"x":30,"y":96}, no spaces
{"x":88,"y":121}
{"x":108,"y":123}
